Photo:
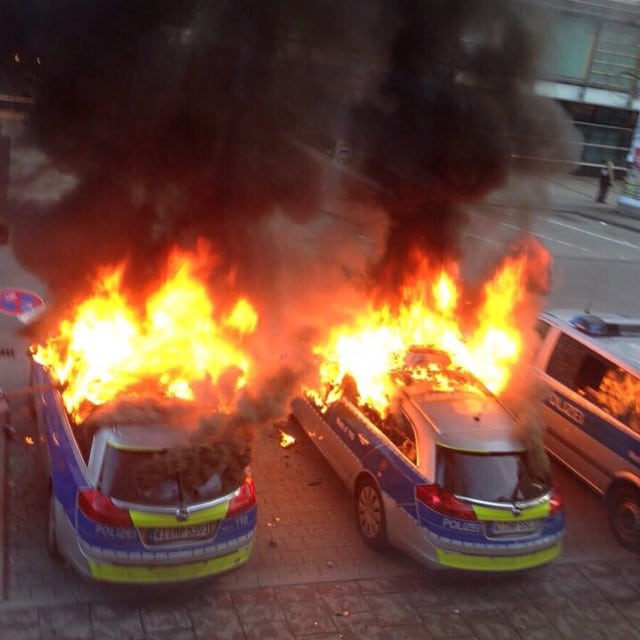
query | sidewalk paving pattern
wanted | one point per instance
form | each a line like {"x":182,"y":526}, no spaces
{"x":310,"y":575}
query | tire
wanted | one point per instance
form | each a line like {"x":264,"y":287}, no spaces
{"x":624,"y":516}
{"x":52,"y":538}
{"x":370,"y":515}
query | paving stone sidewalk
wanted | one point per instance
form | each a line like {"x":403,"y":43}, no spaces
{"x":594,"y":601}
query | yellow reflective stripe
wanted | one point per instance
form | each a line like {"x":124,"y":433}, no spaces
{"x":177,"y":573}
{"x":497,"y":563}
{"x":144,"y":519}
{"x":131,"y":447}
{"x":541,"y":510}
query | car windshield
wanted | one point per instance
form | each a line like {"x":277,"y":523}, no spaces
{"x":492,"y":477}
{"x":140,"y":477}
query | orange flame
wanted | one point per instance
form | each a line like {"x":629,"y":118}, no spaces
{"x":378,"y":341}
{"x":112,"y":346}
{"x":286,"y":439}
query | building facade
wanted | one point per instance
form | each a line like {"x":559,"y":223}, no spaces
{"x":591,"y":66}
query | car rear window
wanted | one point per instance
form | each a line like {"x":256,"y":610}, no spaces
{"x":137,"y":476}
{"x":492,"y":477}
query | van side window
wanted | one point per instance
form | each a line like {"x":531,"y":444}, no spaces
{"x":566,"y":361}
{"x":619,"y":395}
{"x":598,"y":379}
{"x":542,"y":328}
{"x":590,"y":374}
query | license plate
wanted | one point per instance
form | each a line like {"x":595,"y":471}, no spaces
{"x":190,"y":532}
{"x":514,"y":527}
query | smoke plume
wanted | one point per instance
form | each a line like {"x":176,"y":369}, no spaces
{"x":176,"y":121}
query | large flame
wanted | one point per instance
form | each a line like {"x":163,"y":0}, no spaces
{"x":428,"y":316}
{"x":167,"y":345}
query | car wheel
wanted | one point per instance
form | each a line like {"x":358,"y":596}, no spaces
{"x":370,"y":514}
{"x":624,"y":517}
{"x":52,"y":539}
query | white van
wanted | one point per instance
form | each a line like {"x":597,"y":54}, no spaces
{"x":590,"y":366}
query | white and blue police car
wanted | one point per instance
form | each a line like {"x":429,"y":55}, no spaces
{"x":446,"y":477}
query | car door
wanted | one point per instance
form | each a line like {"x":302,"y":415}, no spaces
{"x":67,"y":468}
{"x":580,"y":431}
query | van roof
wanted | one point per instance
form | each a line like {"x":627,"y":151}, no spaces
{"x":614,"y":335}
{"x":469,"y":420}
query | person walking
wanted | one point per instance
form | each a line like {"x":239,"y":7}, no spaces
{"x":605,"y":180}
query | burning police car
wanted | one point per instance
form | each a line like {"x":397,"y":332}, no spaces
{"x":147,"y":456}
{"x":135,"y":496}
{"x":445,"y":476}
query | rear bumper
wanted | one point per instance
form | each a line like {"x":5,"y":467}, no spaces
{"x":448,"y":552}
{"x":146,"y":567}
{"x":470,"y":562}
{"x":132,"y":574}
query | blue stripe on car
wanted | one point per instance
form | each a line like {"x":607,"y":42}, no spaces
{"x":66,"y":471}
{"x":397,"y":477}
{"x":616,"y":439}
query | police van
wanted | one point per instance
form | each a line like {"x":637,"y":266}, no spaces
{"x":590,"y":366}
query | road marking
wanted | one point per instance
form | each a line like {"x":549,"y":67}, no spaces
{"x":541,"y":236}
{"x":624,"y":243}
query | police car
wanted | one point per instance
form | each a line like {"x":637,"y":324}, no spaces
{"x":126,"y":502}
{"x":589,"y":364}
{"x":445,"y":477}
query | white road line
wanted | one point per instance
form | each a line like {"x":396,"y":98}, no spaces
{"x":540,"y":236}
{"x":485,"y":240}
{"x":624,"y":243}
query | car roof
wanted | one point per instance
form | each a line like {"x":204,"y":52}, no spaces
{"x":472,"y":420}
{"x":614,"y":335}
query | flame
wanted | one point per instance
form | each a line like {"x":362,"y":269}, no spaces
{"x":357,"y":359}
{"x":175,"y":339}
{"x":286,"y":439}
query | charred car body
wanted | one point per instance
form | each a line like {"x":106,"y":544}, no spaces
{"x":445,"y":477}
{"x":127,"y":502}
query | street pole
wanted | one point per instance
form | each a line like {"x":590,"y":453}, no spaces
{"x":629,"y":199}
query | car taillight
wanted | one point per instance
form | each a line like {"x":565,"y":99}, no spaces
{"x":556,"y":501}
{"x":444,"y":502}
{"x":244,"y":498}
{"x":99,"y":508}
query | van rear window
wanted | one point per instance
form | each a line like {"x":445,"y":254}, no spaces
{"x":492,"y":477}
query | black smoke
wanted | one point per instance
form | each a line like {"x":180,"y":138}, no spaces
{"x":180,"y":120}
{"x":174,"y":121}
